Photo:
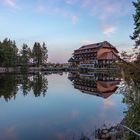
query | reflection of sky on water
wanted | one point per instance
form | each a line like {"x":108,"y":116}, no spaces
{"x":63,"y":112}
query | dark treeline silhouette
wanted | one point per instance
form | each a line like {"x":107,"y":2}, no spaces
{"x":11,"y":56}
{"x":11,"y":84}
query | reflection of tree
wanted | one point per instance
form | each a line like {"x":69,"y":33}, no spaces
{"x":39,"y":85}
{"x":9,"y":85}
{"x":104,"y":132}
{"x":131,"y":73}
{"x":25,"y":84}
{"x":132,"y":118}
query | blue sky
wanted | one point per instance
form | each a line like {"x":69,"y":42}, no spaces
{"x":65,"y":25}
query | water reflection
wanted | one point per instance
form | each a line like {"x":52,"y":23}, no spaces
{"x":129,"y":127}
{"x":8,"y":87}
{"x":65,"y":114}
{"x":131,"y":94}
{"x":98,"y":84}
{"x":105,"y":133}
{"x":11,"y":84}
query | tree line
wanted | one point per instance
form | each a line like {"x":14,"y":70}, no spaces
{"x":11,"y":56}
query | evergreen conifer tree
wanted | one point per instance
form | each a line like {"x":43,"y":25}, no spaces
{"x":136,"y":16}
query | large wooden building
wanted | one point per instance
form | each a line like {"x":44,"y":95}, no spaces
{"x":98,"y":55}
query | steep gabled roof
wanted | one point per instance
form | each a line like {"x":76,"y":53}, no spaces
{"x":104,"y":44}
{"x":71,"y":59}
{"x":95,"y":45}
{"x":109,"y":55}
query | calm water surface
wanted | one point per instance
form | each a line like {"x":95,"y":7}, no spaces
{"x":57,"y":107}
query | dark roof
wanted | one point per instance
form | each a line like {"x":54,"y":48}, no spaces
{"x":97,"y":45}
{"x":71,"y":59}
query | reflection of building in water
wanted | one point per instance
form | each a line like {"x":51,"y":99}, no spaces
{"x":103,"y":87}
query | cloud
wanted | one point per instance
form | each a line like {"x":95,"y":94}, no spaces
{"x":55,"y":10}
{"x":103,"y":10}
{"x":108,"y":29}
{"x":107,"y":10}
{"x":70,"y":2}
{"x":86,"y":41}
{"x":75,"y":114}
{"x":60,"y":136}
{"x":10,"y":3}
{"x":107,"y":104}
{"x":41,"y":9}
{"x":106,"y":7}
{"x":9,"y":133}
{"x":75,"y":19}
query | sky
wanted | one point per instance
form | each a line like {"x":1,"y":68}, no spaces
{"x":66,"y":25}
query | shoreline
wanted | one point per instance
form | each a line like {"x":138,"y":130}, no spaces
{"x":36,"y":70}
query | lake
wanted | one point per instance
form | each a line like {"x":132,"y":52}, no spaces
{"x":58,"y":106}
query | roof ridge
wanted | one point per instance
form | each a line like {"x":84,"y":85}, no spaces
{"x":94,"y":43}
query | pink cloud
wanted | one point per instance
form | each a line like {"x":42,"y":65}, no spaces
{"x":75,"y":19}
{"x":9,"y":133}
{"x":108,"y":29}
{"x":71,"y":2}
{"x":86,"y":41}
{"x":75,"y":114}
{"x":60,"y":136}
{"x":10,"y":3}
{"x":107,"y":103}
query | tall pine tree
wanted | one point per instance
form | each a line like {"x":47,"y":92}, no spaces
{"x":44,"y":53}
{"x":136,"y":16}
{"x":37,"y":54}
{"x":25,"y":57}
